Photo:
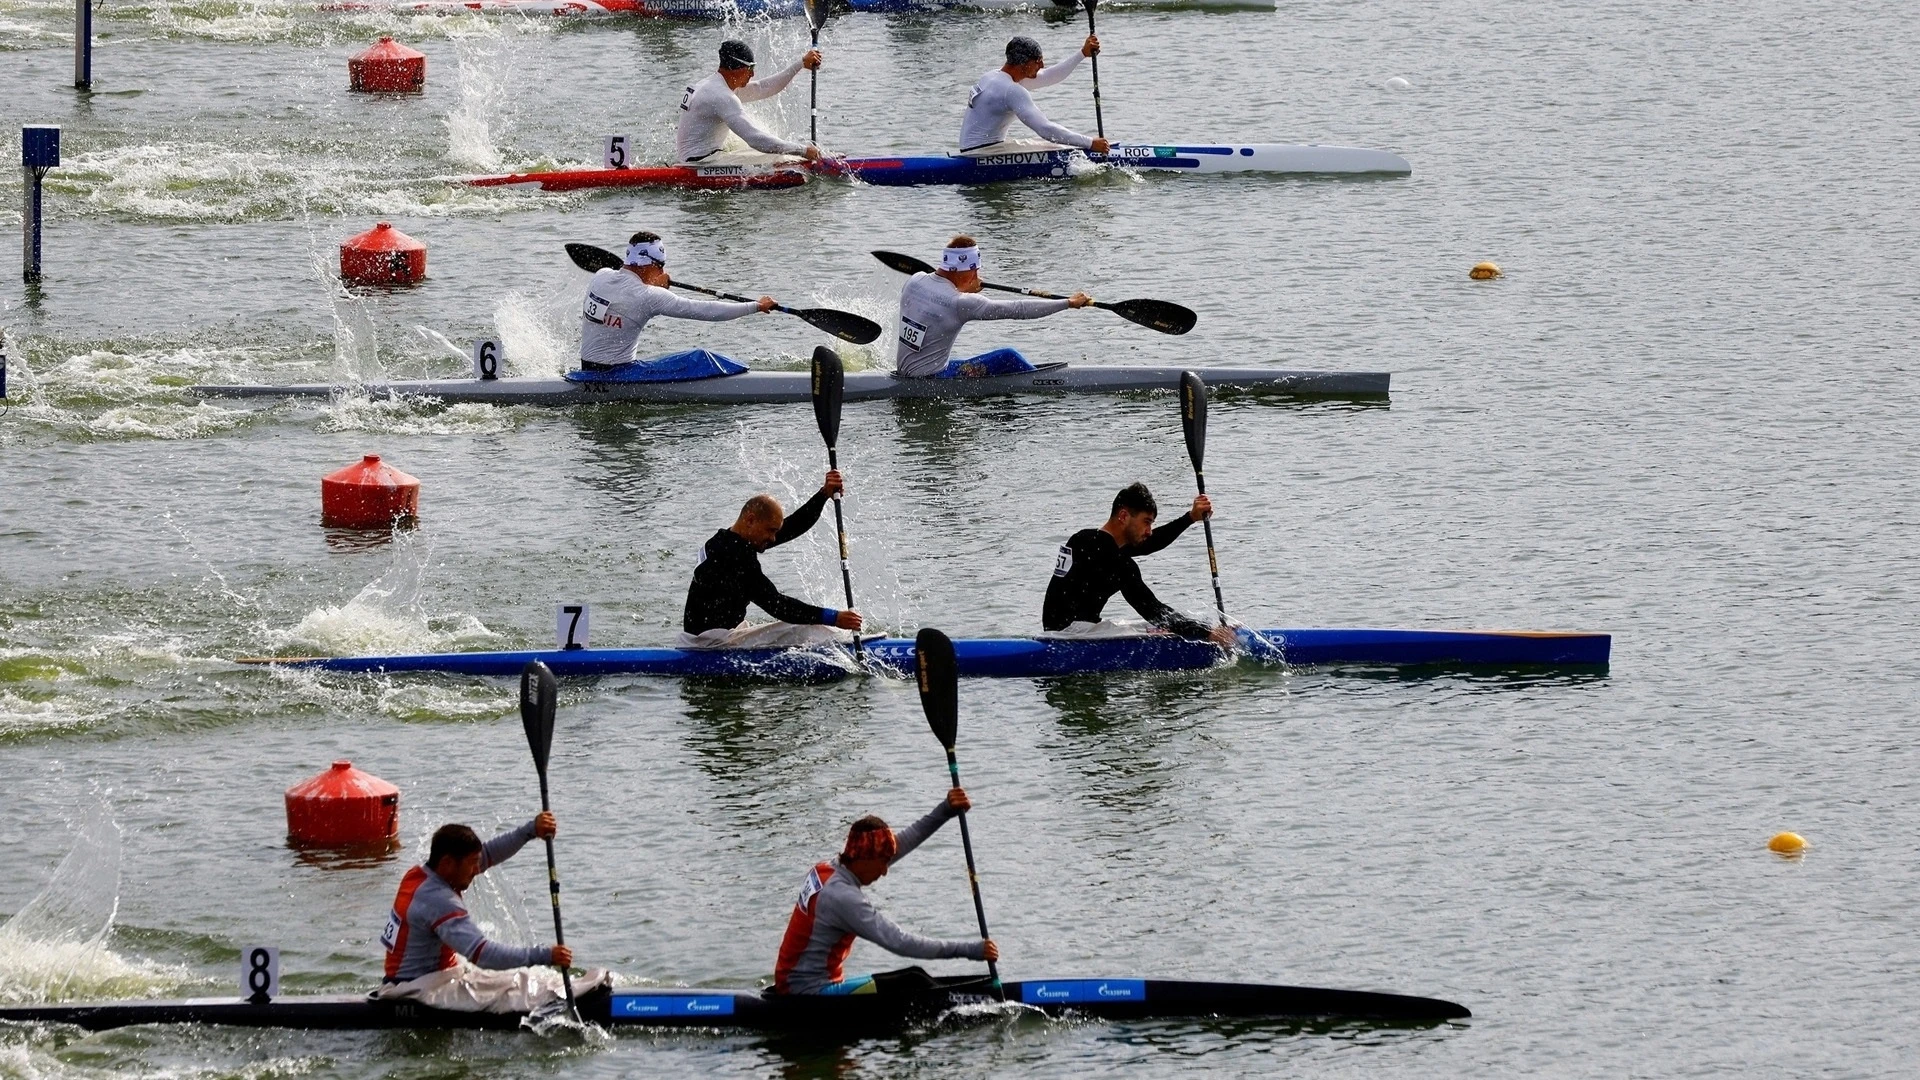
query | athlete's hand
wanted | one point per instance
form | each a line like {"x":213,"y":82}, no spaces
{"x":1224,"y":637}
{"x":767,"y":304}
{"x":811,"y":153}
{"x":957,"y":799}
{"x":1202,"y":508}
{"x":1092,"y":47}
{"x":1079,"y":300}
{"x":544,"y":825}
{"x":834,"y":485}
{"x":562,"y":956}
{"x":991,"y":954}
{"x":1100,"y":146}
{"x":849,"y":620}
{"x":811,"y":61}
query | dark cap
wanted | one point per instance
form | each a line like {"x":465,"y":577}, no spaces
{"x":1022,"y":50}
{"x":735,"y":55}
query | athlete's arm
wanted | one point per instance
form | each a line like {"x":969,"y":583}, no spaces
{"x":974,"y":306}
{"x":1157,"y":613}
{"x":459,"y":933}
{"x":916,"y":834}
{"x":850,"y":911}
{"x":1030,"y":115}
{"x":502,"y":847}
{"x":762,"y":594}
{"x":682,"y":307}
{"x":1047,"y":76}
{"x":801,"y":519}
{"x":1162,"y":536}
{"x":765,"y":87}
{"x":763,"y":141}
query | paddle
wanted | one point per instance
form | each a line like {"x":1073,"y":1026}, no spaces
{"x":940,"y":698}
{"x":829,"y":385}
{"x":1193,"y":418}
{"x":1168,"y":318}
{"x":844,"y":325}
{"x":1099,"y":126}
{"x":816,"y":21}
{"x":538,"y":694}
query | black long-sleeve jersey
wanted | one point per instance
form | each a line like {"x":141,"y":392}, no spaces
{"x":729,"y":578}
{"x":1092,"y":567}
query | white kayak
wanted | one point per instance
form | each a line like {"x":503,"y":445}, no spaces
{"x":750,"y":387}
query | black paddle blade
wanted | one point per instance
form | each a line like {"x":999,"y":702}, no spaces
{"x":1158,"y":315}
{"x":939,"y":684}
{"x":590,"y":258}
{"x":817,"y":15}
{"x":1193,"y":417}
{"x":829,"y":382}
{"x":538,"y":695}
{"x":905,"y":264}
{"x":844,"y":325}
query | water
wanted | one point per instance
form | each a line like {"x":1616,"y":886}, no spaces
{"x":1683,"y":416}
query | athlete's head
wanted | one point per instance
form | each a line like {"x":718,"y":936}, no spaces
{"x":960,"y":263}
{"x":647,"y":257}
{"x":454,"y":854}
{"x":1133,"y":514}
{"x":759,"y":521}
{"x":1023,"y":58}
{"x":736,"y":63}
{"x":869,"y":850}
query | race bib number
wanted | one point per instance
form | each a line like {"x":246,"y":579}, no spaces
{"x":391,"y":935}
{"x":1063,"y":562}
{"x":595,"y":308}
{"x":912,"y":333}
{"x":685,"y":98}
{"x":973,"y":97}
{"x":808,"y":889}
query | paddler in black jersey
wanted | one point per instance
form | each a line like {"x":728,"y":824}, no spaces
{"x":1096,"y":563}
{"x":729,"y":578}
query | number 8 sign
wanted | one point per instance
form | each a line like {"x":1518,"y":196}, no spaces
{"x":260,"y":973}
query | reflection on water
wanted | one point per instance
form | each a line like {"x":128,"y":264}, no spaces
{"x":1117,"y":731}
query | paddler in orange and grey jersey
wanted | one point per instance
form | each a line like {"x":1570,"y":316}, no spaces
{"x":1096,"y":563}
{"x":832,"y":911}
{"x":429,"y":923}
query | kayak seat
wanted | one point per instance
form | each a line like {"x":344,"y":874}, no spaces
{"x":673,"y":367}
{"x":986,"y":365}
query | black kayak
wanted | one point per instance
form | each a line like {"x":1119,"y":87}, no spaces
{"x":1115,"y":999}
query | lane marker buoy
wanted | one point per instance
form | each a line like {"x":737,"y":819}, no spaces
{"x":1787,"y":843}
{"x":1484,"y":271}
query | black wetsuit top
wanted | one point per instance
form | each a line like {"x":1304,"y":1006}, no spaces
{"x":1092,"y":567}
{"x":729,"y":578}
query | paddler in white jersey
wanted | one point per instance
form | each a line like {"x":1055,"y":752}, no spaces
{"x":620,"y":302}
{"x":1002,"y":96}
{"x":933,"y":308}
{"x":711,"y":109}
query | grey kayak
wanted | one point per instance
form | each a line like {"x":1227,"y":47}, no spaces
{"x":783,"y":386}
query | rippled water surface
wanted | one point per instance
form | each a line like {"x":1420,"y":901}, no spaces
{"x":1684,"y":416}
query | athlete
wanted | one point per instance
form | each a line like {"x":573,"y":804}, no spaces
{"x":1001,"y":96}
{"x":1096,"y":563}
{"x":620,"y":302}
{"x":729,"y":578}
{"x":933,"y":308}
{"x":429,"y":925}
{"x":832,"y":910}
{"x":711,"y":109}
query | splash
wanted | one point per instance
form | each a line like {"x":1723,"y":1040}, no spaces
{"x":481,"y":72}
{"x":54,"y":948}
{"x":388,"y":615}
{"x":541,"y":336}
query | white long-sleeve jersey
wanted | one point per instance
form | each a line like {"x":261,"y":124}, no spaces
{"x":711,"y":109}
{"x":997,"y":101}
{"x":932,"y":311}
{"x":618,"y":305}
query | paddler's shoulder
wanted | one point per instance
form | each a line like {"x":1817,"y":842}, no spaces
{"x":1091,"y":538}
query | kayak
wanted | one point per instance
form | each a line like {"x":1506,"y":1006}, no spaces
{"x":1035,"y":161}
{"x":1024,"y":657}
{"x":906,"y":6}
{"x":1113,"y":999}
{"x":656,"y":9}
{"x":751,"y":387}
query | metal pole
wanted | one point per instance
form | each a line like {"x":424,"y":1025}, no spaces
{"x":39,"y":151}
{"x":83,"y":44}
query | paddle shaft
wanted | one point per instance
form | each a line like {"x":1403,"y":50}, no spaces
{"x":1099,"y":125}
{"x":553,"y":890}
{"x":973,"y":878}
{"x":840,"y":526}
{"x":1213,"y":563}
{"x":813,"y":94}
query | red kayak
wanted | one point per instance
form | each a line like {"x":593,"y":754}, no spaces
{"x":721,"y":177}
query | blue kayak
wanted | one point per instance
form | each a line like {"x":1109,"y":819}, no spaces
{"x":1024,"y":657}
{"x":1045,"y":161}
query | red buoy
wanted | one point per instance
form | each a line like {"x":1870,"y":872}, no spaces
{"x":343,"y":807}
{"x":383,"y":255}
{"x":388,"y":67}
{"x":368,"y":496}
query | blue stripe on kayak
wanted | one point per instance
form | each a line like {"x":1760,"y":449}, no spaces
{"x":1075,"y":991}
{"x":1225,"y":150}
{"x":653,"y":1004}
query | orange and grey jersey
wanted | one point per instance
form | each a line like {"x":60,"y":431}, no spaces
{"x":832,"y":910}
{"x":429,"y":922}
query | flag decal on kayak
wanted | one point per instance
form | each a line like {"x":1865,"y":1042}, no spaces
{"x":673,"y":1005}
{"x":1072,"y":991}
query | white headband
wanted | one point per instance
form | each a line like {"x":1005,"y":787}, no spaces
{"x":653,"y":251}
{"x":962,"y":258}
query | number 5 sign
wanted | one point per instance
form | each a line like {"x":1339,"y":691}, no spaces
{"x":260,"y":973}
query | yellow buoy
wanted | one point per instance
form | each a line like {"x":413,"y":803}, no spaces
{"x":1787,"y":843}
{"x":1485,"y":271}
